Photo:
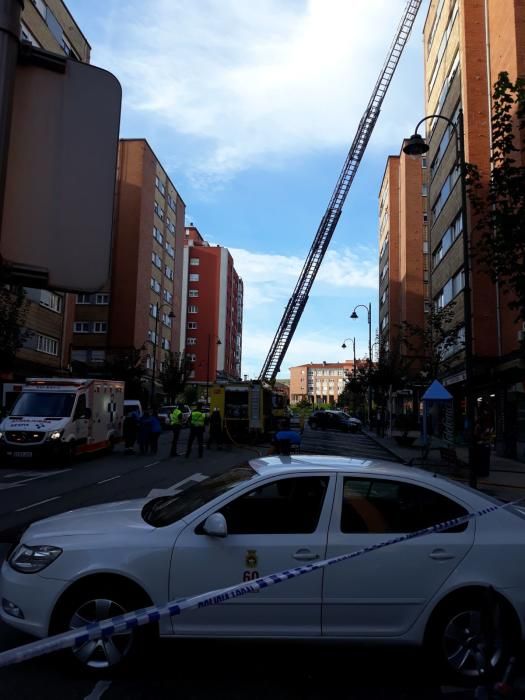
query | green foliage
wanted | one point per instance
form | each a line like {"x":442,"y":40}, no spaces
{"x":500,"y":206}
{"x":190,"y":394}
{"x":13,"y":309}
{"x":126,"y":364}
{"x":174,"y":374}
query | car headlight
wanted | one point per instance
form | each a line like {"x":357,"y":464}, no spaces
{"x":1,"y":435}
{"x":30,"y":560}
{"x":56,"y":435}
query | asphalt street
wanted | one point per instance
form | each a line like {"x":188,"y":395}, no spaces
{"x":196,"y":668}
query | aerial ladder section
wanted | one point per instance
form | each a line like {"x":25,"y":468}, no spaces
{"x":297,"y":302}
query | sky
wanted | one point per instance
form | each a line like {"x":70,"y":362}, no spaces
{"x":251,"y":107}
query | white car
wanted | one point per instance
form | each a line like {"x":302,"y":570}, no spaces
{"x":442,"y":590}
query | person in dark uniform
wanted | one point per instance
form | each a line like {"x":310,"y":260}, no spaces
{"x":197,"y":421}
{"x":215,"y":434}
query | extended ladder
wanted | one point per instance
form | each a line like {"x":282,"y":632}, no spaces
{"x":297,"y":302}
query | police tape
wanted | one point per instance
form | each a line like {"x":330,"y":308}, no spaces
{"x":153,"y":613}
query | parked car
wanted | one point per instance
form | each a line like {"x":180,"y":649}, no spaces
{"x":131,"y":405}
{"x":264,"y":517}
{"x":165,"y":412}
{"x":334,"y":420}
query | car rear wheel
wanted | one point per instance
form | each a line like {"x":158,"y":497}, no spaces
{"x":472,"y":637}
{"x":101,"y":656}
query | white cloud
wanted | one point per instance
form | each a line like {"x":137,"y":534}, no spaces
{"x":268,"y":283}
{"x":251,"y":83}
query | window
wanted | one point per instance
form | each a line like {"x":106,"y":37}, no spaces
{"x":157,"y":235}
{"x":159,"y":211}
{"x":454,"y":231}
{"x":83,"y":299}
{"x":193,"y":309}
{"x":153,"y":310}
{"x":451,"y":288}
{"x":168,"y":272}
{"x":102,"y":299}
{"x":191,"y":357}
{"x":25,"y":35}
{"x":81,"y":327}
{"x":168,"y":296}
{"x":171,"y":225}
{"x":191,"y":341}
{"x":170,"y":250}
{"x":435,"y":23}
{"x":194,"y":261}
{"x":155,"y":259}
{"x":424,"y":190}
{"x":47,"y":345}
{"x":280,"y":507}
{"x":194,"y":277}
{"x":153,"y":336}
{"x":159,"y":185}
{"x":166,"y":320}
{"x":445,"y":191}
{"x":155,"y":285}
{"x":165,"y":344}
{"x":193,"y":293}
{"x":376,"y":506}
{"x":192,"y":325}
{"x":80,"y":408}
{"x":100,"y":327}
{"x":51,"y":301}
{"x":171,"y":203}
{"x":40,"y":6}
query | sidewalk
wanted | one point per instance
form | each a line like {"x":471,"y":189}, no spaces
{"x":506,"y":479}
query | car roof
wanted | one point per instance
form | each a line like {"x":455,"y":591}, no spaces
{"x":268,"y":466}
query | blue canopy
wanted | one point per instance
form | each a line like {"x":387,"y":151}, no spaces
{"x":436,"y":392}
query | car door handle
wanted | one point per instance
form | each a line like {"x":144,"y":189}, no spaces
{"x":305,"y":555}
{"x":441,"y":555}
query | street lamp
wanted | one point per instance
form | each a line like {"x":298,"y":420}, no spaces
{"x":218,"y":342}
{"x":354,"y":368}
{"x":369,"y":313}
{"x":416,"y":145}
{"x":158,"y":307}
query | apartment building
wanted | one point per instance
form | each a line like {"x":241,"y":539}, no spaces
{"x":49,"y":25}
{"x":140,"y":309}
{"x":403,"y":260}
{"x":466,"y":44}
{"x":318,"y":383}
{"x":212,"y":311}
{"x":403,"y":273}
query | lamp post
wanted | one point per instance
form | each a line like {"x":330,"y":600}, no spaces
{"x":158,"y":307}
{"x":416,"y":145}
{"x":354,"y":368}
{"x":369,"y":316}
{"x":218,"y":342}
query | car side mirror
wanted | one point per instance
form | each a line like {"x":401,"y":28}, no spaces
{"x":215,"y":525}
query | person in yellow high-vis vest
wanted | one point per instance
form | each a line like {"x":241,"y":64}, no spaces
{"x":197,"y":421}
{"x":176,"y":425}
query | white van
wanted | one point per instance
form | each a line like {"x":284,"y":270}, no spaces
{"x":63,"y":416}
{"x":132,"y":406}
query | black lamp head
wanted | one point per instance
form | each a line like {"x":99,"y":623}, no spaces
{"x":415,"y":146}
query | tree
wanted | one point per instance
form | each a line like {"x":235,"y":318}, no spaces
{"x":13,"y":309}
{"x":428,"y":348}
{"x":174,"y":374}
{"x":500,"y":208}
{"x":127,"y":364}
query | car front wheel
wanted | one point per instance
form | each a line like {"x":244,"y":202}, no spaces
{"x":103,"y":655}
{"x":473,"y":637}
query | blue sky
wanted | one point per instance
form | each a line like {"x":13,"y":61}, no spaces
{"x":251,"y":107}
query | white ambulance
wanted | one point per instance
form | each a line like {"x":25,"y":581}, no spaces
{"x":63,"y":417}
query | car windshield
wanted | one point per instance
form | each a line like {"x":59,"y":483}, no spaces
{"x":166,"y":510}
{"x":39,"y":404}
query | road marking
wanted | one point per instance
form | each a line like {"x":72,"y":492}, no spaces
{"x":111,"y":478}
{"x":99,"y":689}
{"x":33,"y":505}
{"x":176,"y":488}
{"x":13,"y":485}
{"x":152,"y":464}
